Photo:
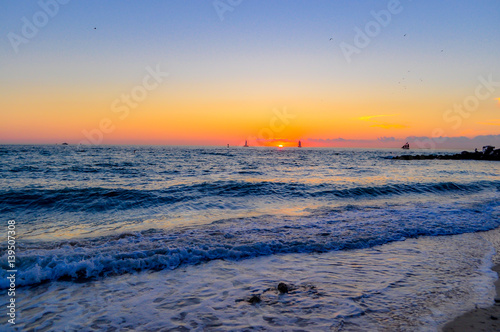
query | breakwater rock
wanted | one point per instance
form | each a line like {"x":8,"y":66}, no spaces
{"x":464,"y":155}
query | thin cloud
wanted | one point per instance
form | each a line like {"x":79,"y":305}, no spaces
{"x":275,"y":140}
{"x":389,"y":126}
{"x":460,"y":142}
{"x":386,"y":142}
{"x":494,"y":122}
{"x":369,"y":117}
{"x":336,"y":140}
{"x":423,"y":142}
{"x":386,"y":139}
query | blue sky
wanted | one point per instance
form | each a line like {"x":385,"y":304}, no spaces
{"x":271,"y":53}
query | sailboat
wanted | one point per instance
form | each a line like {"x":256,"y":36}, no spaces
{"x":246,"y":144}
{"x":300,"y":145}
{"x":79,"y":148}
{"x":406,"y":146}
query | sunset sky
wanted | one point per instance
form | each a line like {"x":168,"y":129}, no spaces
{"x":329,"y":73}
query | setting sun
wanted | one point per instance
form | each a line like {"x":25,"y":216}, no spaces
{"x":143,"y":165}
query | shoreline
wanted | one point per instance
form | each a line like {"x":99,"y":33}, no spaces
{"x":479,"y":319}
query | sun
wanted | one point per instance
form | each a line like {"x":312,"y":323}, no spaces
{"x":280,"y":146}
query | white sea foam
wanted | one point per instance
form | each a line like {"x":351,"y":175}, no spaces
{"x":412,"y":285}
{"x":343,"y":228}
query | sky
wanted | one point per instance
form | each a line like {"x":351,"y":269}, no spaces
{"x":328,"y":73}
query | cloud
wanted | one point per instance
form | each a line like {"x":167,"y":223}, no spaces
{"x":386,"y":139}
{"x":369,"y":117}
{"x":421,"y":142}
{"x":494,"y":122}
{"x":331,"y":140}
{"x":460,"y":142}
{"x":472,"y":132}
{"x":389,"y":126}
{"x":275,"y":140}
{"x":383,"y":125}
{"x":381,"y":142}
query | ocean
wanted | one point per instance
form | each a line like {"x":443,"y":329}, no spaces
{"x":159,"y":238}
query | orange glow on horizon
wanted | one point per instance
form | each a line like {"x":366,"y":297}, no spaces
{"x":167,"y":119}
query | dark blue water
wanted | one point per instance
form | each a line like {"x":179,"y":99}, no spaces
{"x":86,"y":214}
{"x":121,"y":205}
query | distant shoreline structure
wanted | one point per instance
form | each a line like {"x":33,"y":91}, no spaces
{"x":488,"y":153}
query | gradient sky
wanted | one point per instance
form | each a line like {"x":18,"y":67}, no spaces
{"x":270,"y":72}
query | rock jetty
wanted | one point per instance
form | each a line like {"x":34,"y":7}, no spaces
{"x":489,"y":153}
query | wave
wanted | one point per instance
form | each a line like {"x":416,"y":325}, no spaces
{"x":236,"y":239}
{"x":104,"y":199}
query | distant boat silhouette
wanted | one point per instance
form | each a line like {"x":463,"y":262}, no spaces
{"x":406,"y":146}
{"x":65,"y":143}
{"x":79,"y":148}
{"x":300,"y":145}
{"x":246,"y":145}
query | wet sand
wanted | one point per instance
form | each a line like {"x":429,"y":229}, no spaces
{"x":482,"y":319}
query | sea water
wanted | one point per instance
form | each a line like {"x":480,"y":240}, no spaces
{"x":180,"y":238}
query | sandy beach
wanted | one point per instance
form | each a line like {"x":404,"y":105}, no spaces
{"x":481,"y":319}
